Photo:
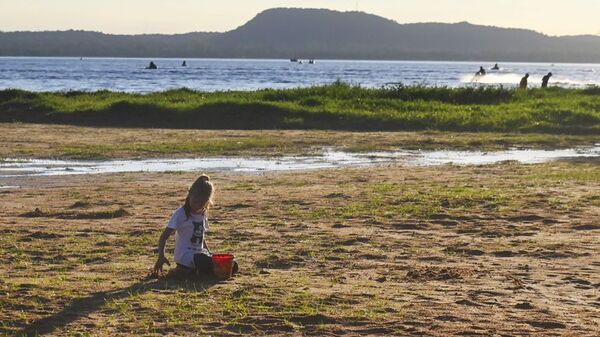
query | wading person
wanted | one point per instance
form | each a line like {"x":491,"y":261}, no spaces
{"x":523,"y":83}
{"x":545,"y":80}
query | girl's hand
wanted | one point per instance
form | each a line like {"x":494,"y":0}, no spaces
{"x":158,"y":266}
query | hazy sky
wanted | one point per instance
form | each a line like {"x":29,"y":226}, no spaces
{"x":554,"y":17}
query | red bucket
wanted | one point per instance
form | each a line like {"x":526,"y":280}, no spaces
{"x":223,"y":265}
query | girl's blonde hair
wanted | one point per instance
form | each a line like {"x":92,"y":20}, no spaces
{"x":203,"y":189}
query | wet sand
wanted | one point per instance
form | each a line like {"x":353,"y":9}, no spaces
{"x":504,"y":249}
{"x":72,"y":142}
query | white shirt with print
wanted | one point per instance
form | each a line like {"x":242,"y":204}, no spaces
{"x":189,"y":236}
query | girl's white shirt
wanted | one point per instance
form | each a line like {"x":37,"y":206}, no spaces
{"x":189,"y":236}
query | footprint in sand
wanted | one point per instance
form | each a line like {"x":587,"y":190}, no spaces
{"x":547,"y":325}
{"x":524,"y":306}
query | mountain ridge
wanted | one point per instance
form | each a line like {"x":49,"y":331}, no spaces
{"x":319,"y":34}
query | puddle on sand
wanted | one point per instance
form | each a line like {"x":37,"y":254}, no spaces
{"x":522,"y":156}
{"x":330,"y":159}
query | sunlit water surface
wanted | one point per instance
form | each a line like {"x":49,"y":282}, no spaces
{"x":130,"y":75}
{"x":14,"y":168}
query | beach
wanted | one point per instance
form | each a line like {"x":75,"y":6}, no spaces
{"x":503,"y":249}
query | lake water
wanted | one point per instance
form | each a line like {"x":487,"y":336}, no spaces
{"x":130,"y":75}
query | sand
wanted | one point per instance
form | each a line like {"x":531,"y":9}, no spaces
{"x":498,"y":250}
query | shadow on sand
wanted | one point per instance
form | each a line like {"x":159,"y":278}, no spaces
{"x":82,"y":307}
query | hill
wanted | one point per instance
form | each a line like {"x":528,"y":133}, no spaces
{"x":321,"y":34}
{"x":83,"y":43}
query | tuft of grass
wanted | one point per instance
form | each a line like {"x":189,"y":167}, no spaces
{"x":99,"y":214}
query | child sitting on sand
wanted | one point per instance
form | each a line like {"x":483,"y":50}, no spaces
{"x":189,"y":223}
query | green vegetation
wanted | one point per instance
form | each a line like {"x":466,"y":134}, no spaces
{"x":392,"y":200}
{"x":337,"y":106}
{"x":213,"y":147}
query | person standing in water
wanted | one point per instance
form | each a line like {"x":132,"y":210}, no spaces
{"x":523,"y":83}
{"x":184,"y":64}
{"x":545,"y":80}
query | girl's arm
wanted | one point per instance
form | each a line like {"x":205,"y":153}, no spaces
{"x":162,"y":241}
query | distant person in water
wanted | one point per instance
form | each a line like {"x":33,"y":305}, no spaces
{"x":496,"y":67}
{"x":545,"y":80}
{"x":184,"y":64}
{"x":152,"y":66}
{"x":481,"y":72}
{"x":523,"y":84}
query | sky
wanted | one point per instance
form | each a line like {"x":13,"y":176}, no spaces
{"x":552,"y":17}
